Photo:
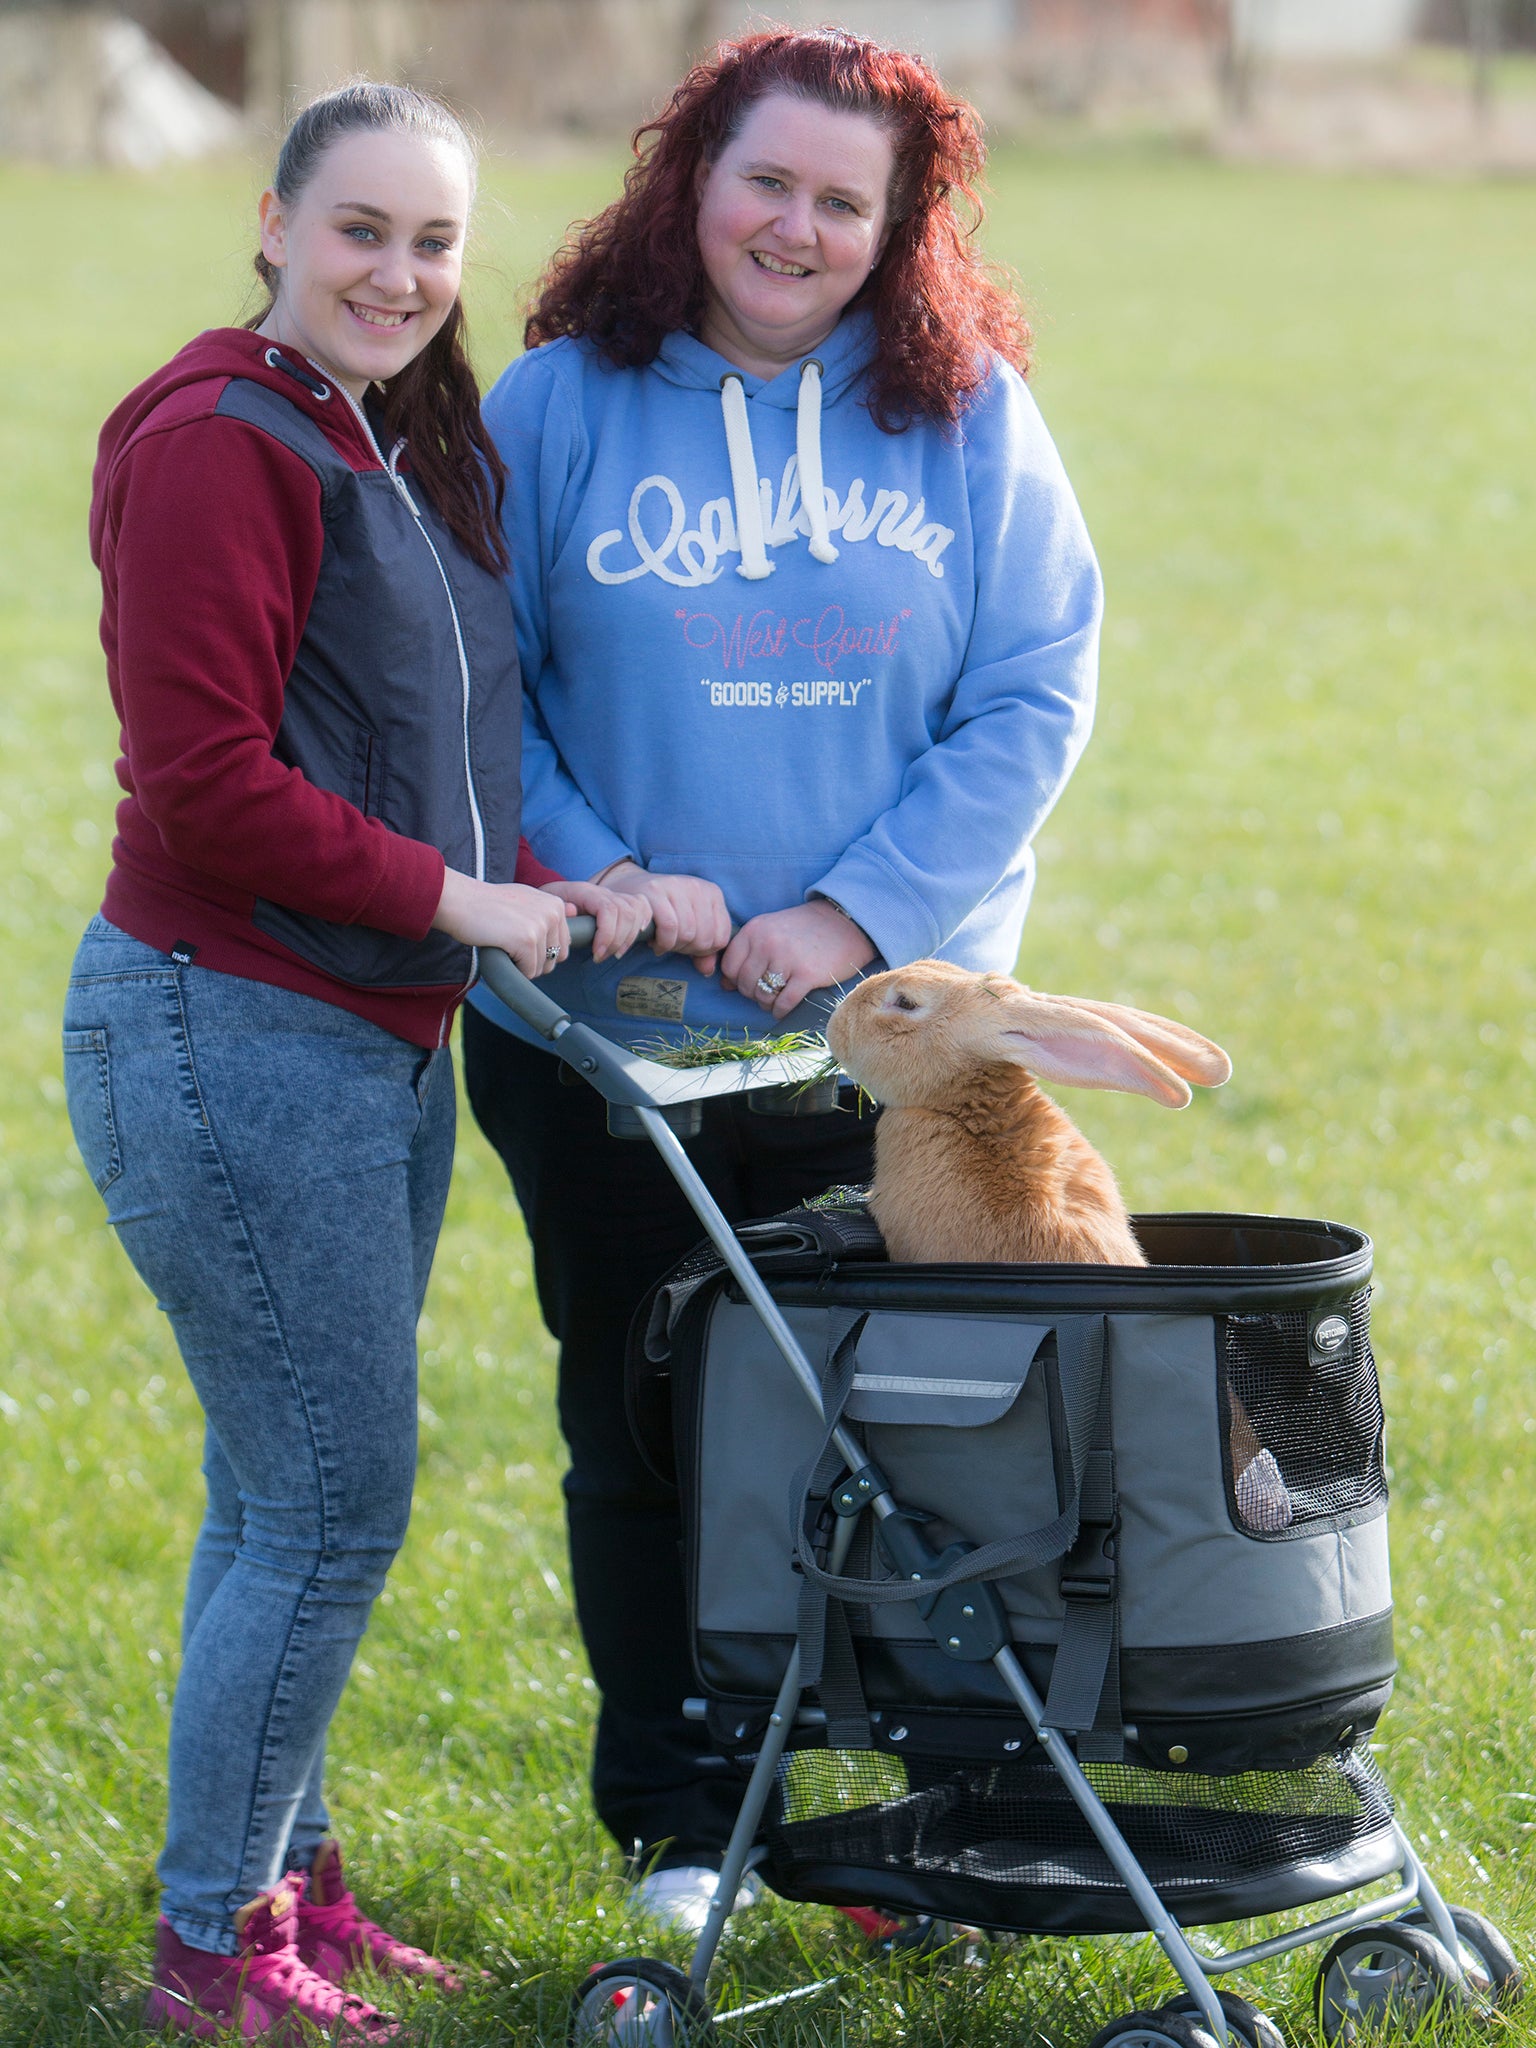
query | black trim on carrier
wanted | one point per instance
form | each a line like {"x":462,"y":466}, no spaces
{"x":1199,"y":1264}
{"x":1198,"y":1700}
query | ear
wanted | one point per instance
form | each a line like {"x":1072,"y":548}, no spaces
{"x":1196,"y":1058}
{"x":274,"y":228}
{"x":1065,"y":1042}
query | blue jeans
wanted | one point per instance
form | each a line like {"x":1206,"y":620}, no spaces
{"x":276,"y":1169}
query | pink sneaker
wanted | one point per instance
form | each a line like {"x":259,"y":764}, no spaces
{"x":264,"y":1991}
{"x":334,"y":1938}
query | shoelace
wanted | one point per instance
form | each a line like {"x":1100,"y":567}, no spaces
{"x":341,"y":1921}
{"x":750,"y":538}
{"x":281,"y":1970}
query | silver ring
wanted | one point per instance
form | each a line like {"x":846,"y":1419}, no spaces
{"x":551,"y":952}
{"x":770,"y":981}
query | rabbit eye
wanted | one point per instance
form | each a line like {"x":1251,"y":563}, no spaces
{"x":903,"y":1002}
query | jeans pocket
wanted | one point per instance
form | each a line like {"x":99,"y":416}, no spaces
{"x":88,"y":1091}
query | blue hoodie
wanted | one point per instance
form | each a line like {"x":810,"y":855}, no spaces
{"x":873,"y":692}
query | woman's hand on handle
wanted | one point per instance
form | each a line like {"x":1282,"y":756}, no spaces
{"x":689,"y":913}
{"x":527,"y":924}
{"x":778,"y":958}
{"x":621,"y":917}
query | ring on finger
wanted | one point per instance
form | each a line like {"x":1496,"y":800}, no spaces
{"x":770,"y":981}
{"x":551,"y":952}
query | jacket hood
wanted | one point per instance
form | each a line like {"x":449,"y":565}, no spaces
{"x":844,"y":356}
{"x":210,"y":360}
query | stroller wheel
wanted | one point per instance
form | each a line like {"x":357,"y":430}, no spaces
{"x":1165,"y":2029}
{"x":639,"y":2003}
{"x":1488,"y":1963}
{"x":1385,"y":1975}
{"x":1254,"y":2029}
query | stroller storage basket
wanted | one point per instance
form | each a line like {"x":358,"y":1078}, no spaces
{"x":1221,"y":1599}
{"x":1004,"y":1846}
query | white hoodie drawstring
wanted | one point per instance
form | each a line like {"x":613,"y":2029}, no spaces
{"x":813,"y":495}
{"x":754,"y":563}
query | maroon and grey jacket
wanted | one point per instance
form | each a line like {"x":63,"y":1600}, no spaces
{"x":318,"y":689}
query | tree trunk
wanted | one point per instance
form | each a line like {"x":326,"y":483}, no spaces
{"x":1483,"y":46}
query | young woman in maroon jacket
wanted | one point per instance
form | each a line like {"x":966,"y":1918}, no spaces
{"x":310,"y":650}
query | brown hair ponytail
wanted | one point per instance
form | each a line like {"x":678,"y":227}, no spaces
{"x":433,"y":404}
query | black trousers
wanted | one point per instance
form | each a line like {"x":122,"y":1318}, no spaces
{"x":606,"y":1220}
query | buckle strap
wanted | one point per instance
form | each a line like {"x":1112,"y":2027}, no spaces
{"x":1084,"y":1695}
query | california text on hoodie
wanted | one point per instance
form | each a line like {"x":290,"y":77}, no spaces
{"x":317,"y":688}
{"x":767,"y":643}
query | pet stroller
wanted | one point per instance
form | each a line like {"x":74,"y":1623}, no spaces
{"x":993,"y":1622}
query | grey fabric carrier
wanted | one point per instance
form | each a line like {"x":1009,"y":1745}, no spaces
{"x":378,"y":707}
{"x":1242,"y":1618}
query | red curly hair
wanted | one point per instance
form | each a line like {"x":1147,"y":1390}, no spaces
{"x":634,"y":274}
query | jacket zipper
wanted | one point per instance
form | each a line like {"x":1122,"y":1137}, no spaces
{"x":477,"y":822}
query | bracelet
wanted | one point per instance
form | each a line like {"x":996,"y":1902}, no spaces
{"x":624,"y":859}
{"x":822,"y":897}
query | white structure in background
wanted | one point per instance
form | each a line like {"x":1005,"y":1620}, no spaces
{"x":1324,"y":28}
{"x":87,"y":87}
{"x":960,"y":32}
{"x":950,"y":32}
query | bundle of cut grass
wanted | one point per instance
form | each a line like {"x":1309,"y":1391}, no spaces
{"x":811,"y":1093}
{"x":715,"y":1048}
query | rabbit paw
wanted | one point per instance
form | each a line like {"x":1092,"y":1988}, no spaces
{"x":1261,"y":1496}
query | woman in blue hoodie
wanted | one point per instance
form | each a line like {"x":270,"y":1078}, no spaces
{"x":775,"y":361}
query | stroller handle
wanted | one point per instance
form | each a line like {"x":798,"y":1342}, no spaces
{"x":583,"y":930}
{"x":625,"y":1077}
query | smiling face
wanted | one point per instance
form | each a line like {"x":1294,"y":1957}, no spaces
{"x":792,"y":219}
{"x":369,"y":254}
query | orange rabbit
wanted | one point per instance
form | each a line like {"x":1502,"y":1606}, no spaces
{"x":973,"y":1161}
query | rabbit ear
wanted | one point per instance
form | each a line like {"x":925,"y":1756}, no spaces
{"x":1190,"y":1055}
{"x":1063,"y":1041}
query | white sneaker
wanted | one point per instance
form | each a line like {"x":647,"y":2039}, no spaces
{"x":681,"y":1897}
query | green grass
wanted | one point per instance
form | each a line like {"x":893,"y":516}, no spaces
{"x":1299,"y":415}
{"x":729,"y":1048}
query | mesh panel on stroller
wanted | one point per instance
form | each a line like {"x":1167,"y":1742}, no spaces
{"x":1003,"y":1845}
{"x":1317,"y":1411}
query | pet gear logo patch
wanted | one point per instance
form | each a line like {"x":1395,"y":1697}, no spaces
{"x":652,"y":995}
